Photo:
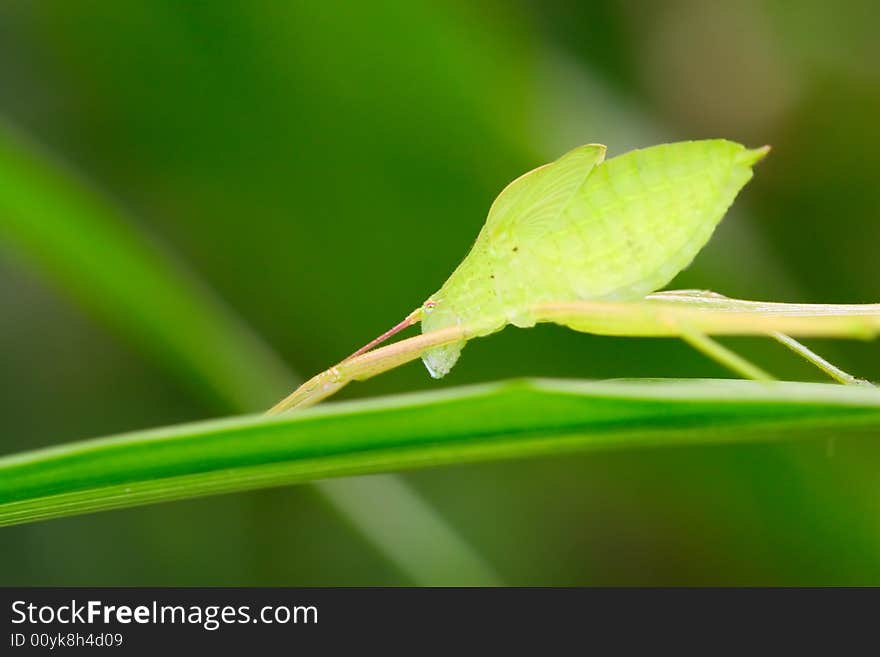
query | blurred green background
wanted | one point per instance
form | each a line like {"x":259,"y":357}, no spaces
{"x":324,"y":165}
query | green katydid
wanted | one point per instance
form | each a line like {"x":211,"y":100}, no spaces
{"x":585,"y":243}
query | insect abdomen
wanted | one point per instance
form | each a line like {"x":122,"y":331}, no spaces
{"x":642,"y":217}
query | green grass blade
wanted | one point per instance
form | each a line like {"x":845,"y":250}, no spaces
{"x":498,"y":421}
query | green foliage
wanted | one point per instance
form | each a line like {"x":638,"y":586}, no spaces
{"x":499,"y":421}
{"x":236,"y":136}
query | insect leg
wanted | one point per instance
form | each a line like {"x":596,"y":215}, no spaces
{"x":798,"y":348}
{"x":812,"y":357}
{"x":413,"y":318}
{"x":311,"y":392}
{"x":721,"y":354}
{"x":366,"y":365}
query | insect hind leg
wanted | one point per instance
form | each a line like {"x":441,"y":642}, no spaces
{"x":813,"y":358}
{"x":721,"y":354}
{"x":788,"y":342}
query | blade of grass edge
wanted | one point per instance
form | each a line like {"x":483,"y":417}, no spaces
{"x":479,"y":423}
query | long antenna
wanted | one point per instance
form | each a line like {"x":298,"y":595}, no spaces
{"x":413,"y":318}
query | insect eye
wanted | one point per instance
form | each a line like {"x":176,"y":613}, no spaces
{"x":429,"y":306}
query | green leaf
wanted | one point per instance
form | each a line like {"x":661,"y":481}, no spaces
{"x":496,"y":421}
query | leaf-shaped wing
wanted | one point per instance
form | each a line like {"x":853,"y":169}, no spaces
{"x":535,"y":200}
{"x":637,"y":221}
